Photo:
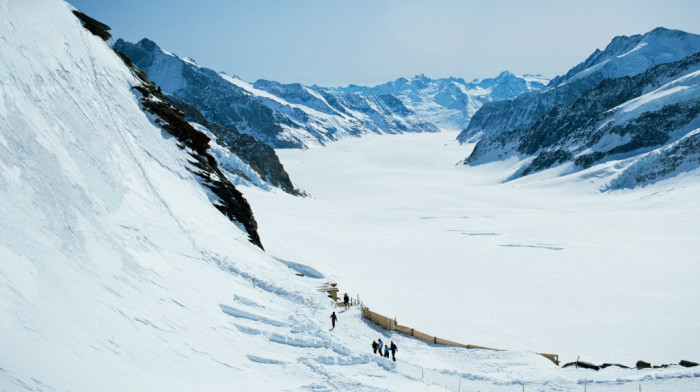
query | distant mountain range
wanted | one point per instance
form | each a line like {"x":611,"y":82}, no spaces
{"x":280,"y":115}
{"x":637,"y":101}
{"x":449,"y":103}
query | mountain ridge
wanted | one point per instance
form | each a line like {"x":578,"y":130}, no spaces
{"x":577,"y":118}
{"x":450,"y":102}
{"x":281,"y":121}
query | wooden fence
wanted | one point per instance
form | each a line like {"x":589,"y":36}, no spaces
{"x":391,"y":325}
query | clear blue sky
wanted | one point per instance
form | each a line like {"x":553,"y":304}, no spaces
{"x":332,"y":43}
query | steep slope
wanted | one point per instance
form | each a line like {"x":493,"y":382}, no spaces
{"x":107,"y":235}
{"x":282,"y":116}
{"x":624,"y":56}
{"x":232,"y":145}
{"x":451,"y":102}
{"x":621,"y":118}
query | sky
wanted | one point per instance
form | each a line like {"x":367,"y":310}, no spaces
{"x":368,"y":42}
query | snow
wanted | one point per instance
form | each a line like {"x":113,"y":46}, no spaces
{"x":117,"y":273}
{"x":685,"y":88}
{"x":655,"y":47}
{"x":237,"y":171}
{"x":538,"y":264}
{"x":449,"y":103}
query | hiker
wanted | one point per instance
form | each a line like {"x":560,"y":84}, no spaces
{"x":346,"y":299}
{"x":334,"y":318}
{"x":381,"y":345}
{"x":386,"y":351}
{"x":393,"y":349}
{"x":374,"y":346}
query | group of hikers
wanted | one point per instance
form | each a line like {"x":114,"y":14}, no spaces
{"x":377,"y":345}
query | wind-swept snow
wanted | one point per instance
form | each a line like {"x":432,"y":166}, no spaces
{"x":117,"y":273}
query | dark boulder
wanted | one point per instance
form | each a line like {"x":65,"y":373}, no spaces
{"x":643,"y":365}
{"x":685,"y":363}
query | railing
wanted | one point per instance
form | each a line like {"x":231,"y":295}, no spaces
{"x":391,"y":325}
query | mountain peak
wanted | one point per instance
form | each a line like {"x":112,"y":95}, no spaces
{"x":147,"y":44}
{"x":631,"y":55}
{"x":505,"y":74}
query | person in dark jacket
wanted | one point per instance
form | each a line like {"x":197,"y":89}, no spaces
{"x":386,"y":351}
{"x":346,"y":299}
{"x":393,"y":349}
{"x":380,"y":346}
{"x":374,"y":346}
{"x":334,"y":318}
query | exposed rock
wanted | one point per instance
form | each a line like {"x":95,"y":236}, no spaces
{"x":584,"y":365}
{"x":607,"y":365}
{"x":661,"y":366}
{"x":261,"y":157}
{"x":610,"y":122}
{"x":279,"y":115}
{"x":231,"y":201}
{"x":643,"y":365}
{"x":685,"y":363}
{"x":94,"y":26}
{"x":624,"y":56}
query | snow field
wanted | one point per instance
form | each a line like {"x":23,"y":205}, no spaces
{"x":539,"y":264}
{"x":117,"y":273}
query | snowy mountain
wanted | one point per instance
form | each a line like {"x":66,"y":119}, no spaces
{"x":450,"y":103}
{"x":609,"y":107}
{"x":280,"y":115}
{"x":125,"y":266}
{"x":243,"y":156}
{"x":624,"y":56}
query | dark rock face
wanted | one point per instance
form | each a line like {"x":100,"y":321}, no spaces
{"x":617,"y":60}
{"x":261,"y":157}
{"x":96,"y":27}
{"x":594,"y":113}
{"x":685,"y":363}
{"x":231,"y":201}
{"x":594,"y":129}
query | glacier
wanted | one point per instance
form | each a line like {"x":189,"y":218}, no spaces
{"x":117,"y":272}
